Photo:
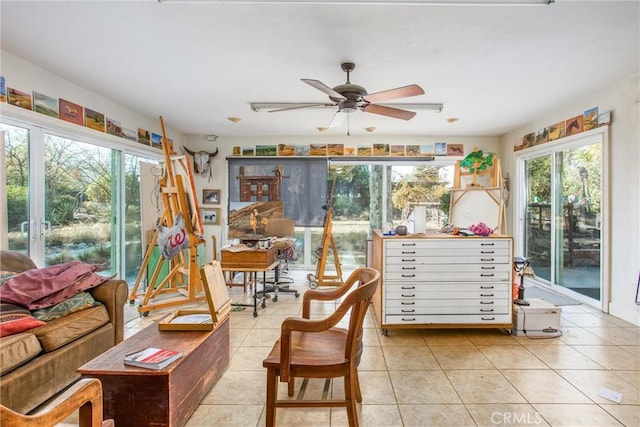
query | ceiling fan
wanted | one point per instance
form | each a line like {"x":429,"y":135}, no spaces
{"x":350,"y":97}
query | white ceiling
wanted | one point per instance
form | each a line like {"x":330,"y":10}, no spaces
{"x":493,"y":68}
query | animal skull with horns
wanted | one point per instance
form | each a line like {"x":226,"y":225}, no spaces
{"x":201,"y":161}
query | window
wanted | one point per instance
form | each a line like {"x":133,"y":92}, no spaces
{"x":73,"y":197}
{"x":368,"y":194}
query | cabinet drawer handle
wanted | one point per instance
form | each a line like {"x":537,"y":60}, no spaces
{"x":408,"y":244}
{"x":410,"y":319}
{"x":409,"y":260}
{"x":486,"y":287}
{"x":411,"y":275}
{"x":408,"y":287}
{"x":488,"y":318}
{"x":487,"y":252}
{"x":408,"y":311}
{"x":407,"y":303}
{"x":488,"y":268}
{"x":486,"y":295}
{"x":486,"y":302}
{"x":487,"y":244}
{"x":408,"y":268}
{"x":408,"y":252}
{"x":487,"y":259}
{"x":408,"y":296}
{"x":486,"y":310}
{"x":487,"y":275}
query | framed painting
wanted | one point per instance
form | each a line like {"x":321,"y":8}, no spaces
{"x":211,"y":197}
{"x":211,"y":216}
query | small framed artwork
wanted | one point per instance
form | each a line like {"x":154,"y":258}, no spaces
{"x":211,"y":197}
{"x":211,"y":216}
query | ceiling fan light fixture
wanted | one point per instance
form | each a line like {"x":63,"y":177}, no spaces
{"x":321,"y":129}
{"x":234,"y":119}
{"x":452,"y":119}
{"x":370,"y":129}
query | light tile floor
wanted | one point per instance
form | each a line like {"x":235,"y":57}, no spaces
{"x":461,"y":377}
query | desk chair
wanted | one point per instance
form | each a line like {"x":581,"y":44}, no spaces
{"x":85,"y":396}
{"x":318,"y":349}
{"x":283,"y":229}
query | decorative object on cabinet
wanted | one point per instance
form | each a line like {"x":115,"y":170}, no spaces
{"x":478,"y":194}
{"x":443,"y":281}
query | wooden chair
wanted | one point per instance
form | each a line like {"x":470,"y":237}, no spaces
{"x":318,"y":349}
{"x":85,"y":396}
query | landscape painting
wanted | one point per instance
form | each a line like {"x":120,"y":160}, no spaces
{"x":113,"y":127}
{"x":19,"y":99}
{"x":44,"y":104}
{"x":266,"y":150}
{"x":94,"y":120}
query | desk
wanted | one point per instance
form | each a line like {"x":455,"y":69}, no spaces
{"x":168,"y":397}
{"x":253,"y":261}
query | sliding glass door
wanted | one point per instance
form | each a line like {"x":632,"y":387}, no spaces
{"x":563,"y":231}
{"x":20,"y":231}
{"x":70,"y":198}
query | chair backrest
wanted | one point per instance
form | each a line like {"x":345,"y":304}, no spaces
{"x":358,"y":301}
{"x":281,"y":227}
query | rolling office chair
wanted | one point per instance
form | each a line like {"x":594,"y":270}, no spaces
{"x":283,"y":229}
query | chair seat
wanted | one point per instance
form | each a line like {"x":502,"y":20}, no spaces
{"x":311,"y":350}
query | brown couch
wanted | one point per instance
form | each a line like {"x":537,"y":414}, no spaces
{"x":40,"y":362}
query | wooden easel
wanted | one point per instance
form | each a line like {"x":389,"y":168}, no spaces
{"x":492,"y":193}
{"x":328,"y":242}
{"x":178,"y":196}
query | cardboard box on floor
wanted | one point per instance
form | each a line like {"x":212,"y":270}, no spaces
{"x":218,"y":302}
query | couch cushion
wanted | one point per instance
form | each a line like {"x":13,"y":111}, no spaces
{"x":78,"y":302}
{"x":15,"y":261}
{"x":45,"y":287}
{"x":63,"y":330}
{"x":16,"y":350}
{"x":15,"y":319}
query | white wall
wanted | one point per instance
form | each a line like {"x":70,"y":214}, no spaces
{"x":27,"y":77}
{"x":623,"y":99}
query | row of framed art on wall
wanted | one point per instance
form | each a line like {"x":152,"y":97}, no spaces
{"x":588,"y":120}
{"x":332,"y":150}
{"x":71,"y":112}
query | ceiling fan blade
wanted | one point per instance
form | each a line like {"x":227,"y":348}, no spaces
{"x":399,"y":92}
{"x":396,"y":113}
{"x":323,"y":88}
{"x":338,"y":119}
{"x":299,"y":106}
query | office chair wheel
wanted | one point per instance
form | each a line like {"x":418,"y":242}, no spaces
{"x":264,"y":304}
{"x":255,"y":314}
{"x":311,"y":277}
{"x":313,"y":284}
{"x":274,"y":299}
{"x":297,"y":294}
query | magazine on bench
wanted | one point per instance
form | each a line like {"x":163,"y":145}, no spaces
{"x":152,"y":358}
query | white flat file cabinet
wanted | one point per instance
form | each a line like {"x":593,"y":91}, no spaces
{"x":443,"y":281}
